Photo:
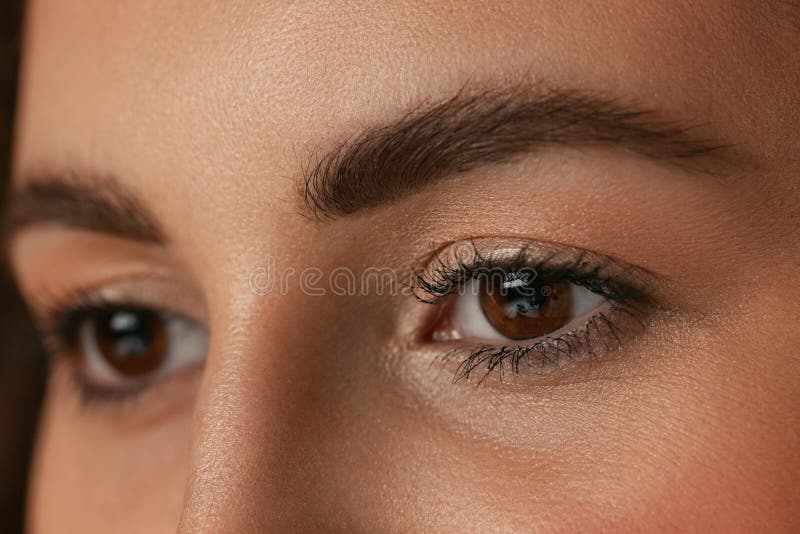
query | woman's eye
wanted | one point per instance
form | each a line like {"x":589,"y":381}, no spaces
{"x":517,"y":306}
{"x":127,"y":346}
{"x":511,"y":305}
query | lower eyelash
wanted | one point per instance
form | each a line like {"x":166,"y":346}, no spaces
{"x":59,"y":324}
{"x":599,"y":332}
{"x":93,"y":395}
{"x":626,"y":290}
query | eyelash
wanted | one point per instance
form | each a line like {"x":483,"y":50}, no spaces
{"x":621,"y":286}
{"x":59,"y":328}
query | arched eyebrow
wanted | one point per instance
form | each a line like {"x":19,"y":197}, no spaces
{"x":96,"y":205}
{"x":384,"y":163}
{"x":476,"y":128}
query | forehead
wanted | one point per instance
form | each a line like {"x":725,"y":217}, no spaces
{"x":204,"y":89}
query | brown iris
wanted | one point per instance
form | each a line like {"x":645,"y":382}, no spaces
{"x":521,"y":309}
{"x":132,"y":341}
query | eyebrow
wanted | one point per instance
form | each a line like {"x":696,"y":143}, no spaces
{"x":483,"y":127}
{"x":384,"y":163}
{"x":102,"y":206}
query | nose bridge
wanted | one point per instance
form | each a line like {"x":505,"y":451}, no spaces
{"x":252,"y":402}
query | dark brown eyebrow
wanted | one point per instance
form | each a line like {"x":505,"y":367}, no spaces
{"x":97,"y":205}
{"x":475,"y":128}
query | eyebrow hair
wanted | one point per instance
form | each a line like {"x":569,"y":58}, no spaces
{"x":97,"y":205}
{"x":475,"y":128}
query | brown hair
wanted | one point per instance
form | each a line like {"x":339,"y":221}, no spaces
{"x":22,"y":374}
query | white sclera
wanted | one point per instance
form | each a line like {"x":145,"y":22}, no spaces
{"x":186,"y":345}
{"x":469,"y":321}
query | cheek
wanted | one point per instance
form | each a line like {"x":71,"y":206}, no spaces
{"x":720,"y":444}
{"x":715,"y":484}
{"x":100,"y":471}
{"x":690,"y":438}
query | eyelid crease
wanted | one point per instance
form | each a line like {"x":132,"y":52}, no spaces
{"x":450,"y":265}
{"x":145,"y":290}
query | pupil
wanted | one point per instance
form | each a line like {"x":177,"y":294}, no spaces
{"x":525,"y":301}
{"x":131,"y":341}
{"x":133,"y":336}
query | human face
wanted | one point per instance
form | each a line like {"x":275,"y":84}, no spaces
{"x":180,"y":164}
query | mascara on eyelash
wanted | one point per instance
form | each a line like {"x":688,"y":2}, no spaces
{"x":600,"y":274}
{"x":600,"y":335}
{"x":60,"y":325}
{"x":615,"y":281}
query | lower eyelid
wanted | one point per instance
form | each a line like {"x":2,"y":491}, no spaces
{"x":600,"y":336}
{"x":141,"y":404}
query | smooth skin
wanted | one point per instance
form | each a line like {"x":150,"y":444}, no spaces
{"x":312,"y":413}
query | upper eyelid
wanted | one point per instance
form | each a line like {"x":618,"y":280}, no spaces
{"x":515,"y":253}
{"x":153,"y":290}
{"x":539,"y":247}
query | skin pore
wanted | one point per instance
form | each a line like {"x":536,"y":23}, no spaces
{"x":167,"y":151}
